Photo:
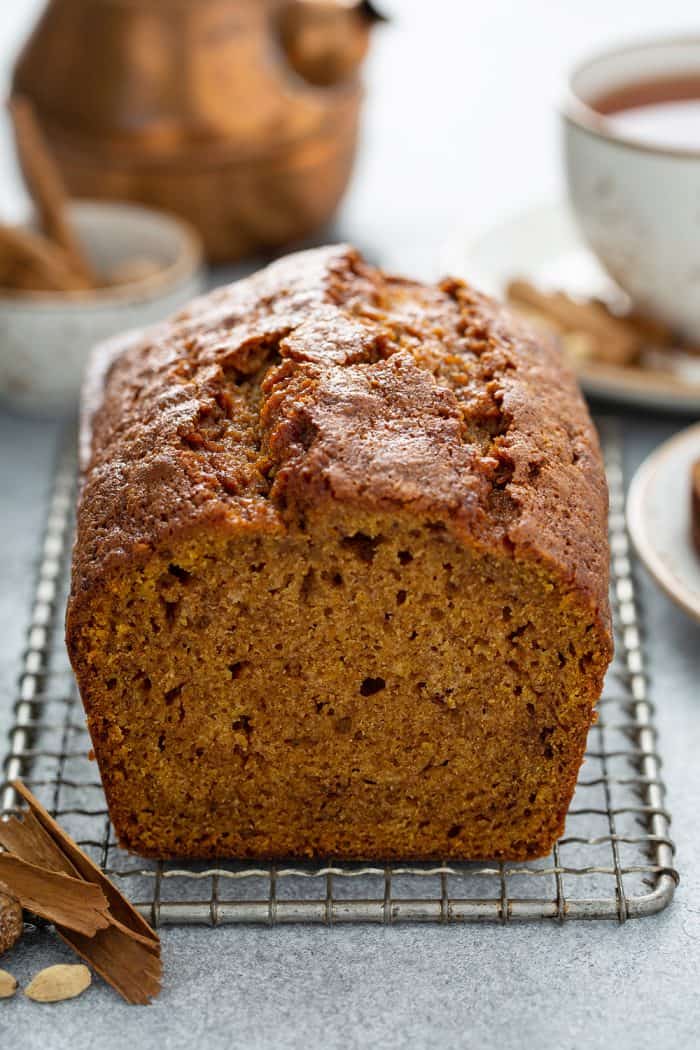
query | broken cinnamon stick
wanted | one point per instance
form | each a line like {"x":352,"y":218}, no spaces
{"x":650,"y":329}
{"x":134,"y":971}
{"x":131,"y":967}
{"x":29,"y":260}
{"x":119,"y":906}
{"x":47,"y":188}
{"x":614,"y":339}
{"x":127,"y":952}
{"x":59,"y":898}
{"x":27,"y":839}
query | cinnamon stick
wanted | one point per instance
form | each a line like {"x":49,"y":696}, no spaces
{"x":27,"y":839}
{"x":47,"y":189}
{"x":615,"y":340}
{"x":31,"y":261}
{"x":119,"y":906}
{"x":59,"y":898}
{"x":131,"y":967}
{"x":126,"y":953}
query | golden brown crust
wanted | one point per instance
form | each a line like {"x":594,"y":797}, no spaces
{"x":322,"y":379}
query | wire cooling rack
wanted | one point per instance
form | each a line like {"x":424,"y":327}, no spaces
{"x":615,"y":860}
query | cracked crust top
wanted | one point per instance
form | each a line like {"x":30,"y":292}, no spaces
{"x":323,"y":379}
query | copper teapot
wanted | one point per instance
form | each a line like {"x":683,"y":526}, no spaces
{"x":239,"y":115}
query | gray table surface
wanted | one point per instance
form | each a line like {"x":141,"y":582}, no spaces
{"x":459,"y":127}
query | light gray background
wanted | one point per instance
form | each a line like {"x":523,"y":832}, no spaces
{"x":460,"y":127}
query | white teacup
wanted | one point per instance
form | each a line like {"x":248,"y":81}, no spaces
{"x":637,"y":202}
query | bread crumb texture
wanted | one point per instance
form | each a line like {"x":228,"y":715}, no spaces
{"x":340,"y":582}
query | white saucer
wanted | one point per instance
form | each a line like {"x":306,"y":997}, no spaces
{"x":658,"y":518}
{"x":544,"y":246}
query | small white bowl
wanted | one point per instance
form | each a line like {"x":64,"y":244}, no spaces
{"x":45,"y":337}
{"x":638,"y":204}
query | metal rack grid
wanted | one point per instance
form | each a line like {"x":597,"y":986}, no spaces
{"x":615,"y":860}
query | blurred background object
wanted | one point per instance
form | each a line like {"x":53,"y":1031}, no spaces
{"x":241,"y":116}
{"x":47,"y":190}
{"x":325,"y":40}
{"x":150,"y":264}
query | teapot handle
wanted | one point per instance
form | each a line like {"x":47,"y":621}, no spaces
{"x":325,"y":41}
{"x":371,"y":12}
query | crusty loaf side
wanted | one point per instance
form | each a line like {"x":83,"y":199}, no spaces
{"x":340,"y":581}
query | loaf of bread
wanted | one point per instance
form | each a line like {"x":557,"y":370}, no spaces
{"x":340,"y":579}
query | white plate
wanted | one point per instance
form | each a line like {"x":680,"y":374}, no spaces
{"x":544,"y":246}
{"x":658,"y":518}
